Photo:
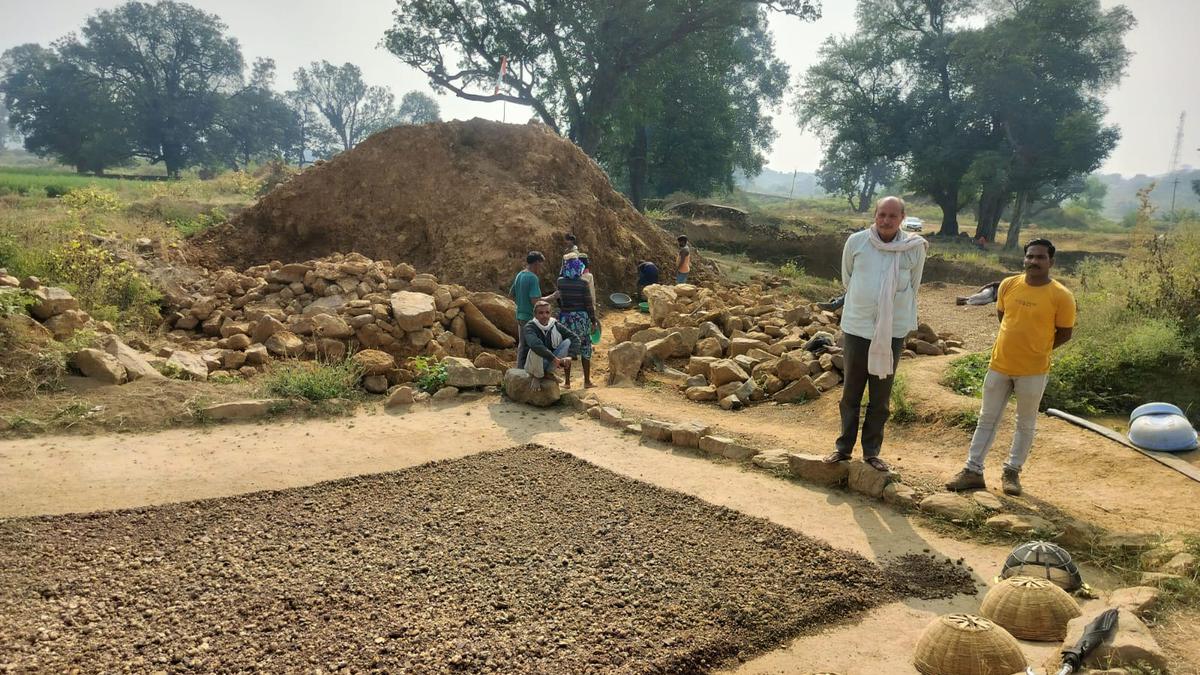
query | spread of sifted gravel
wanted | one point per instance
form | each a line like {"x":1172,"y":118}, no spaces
{"x":526,"y":560}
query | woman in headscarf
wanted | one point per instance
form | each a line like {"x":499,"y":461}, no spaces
{"x":577,"y":312}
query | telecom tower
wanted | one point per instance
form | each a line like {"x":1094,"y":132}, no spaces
{"x":1175,"y":160}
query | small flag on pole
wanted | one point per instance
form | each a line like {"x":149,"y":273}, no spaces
{"x":500,"y":75}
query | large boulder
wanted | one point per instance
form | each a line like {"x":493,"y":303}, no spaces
{"x":949,"y":505}
{"x":413,"y":311}
{"x":331,"y":326}
{"x":498,"y":309}
{"x":812,"y":468}
{"x":100,"y":365}
{"x":461,"y":373}
{"x":522,"y":387}
{"x":373,"y":362}
{"x":479,"y":326}
{"x":726,"y":371}
{"x":802,"y":389}
{"x":662,"y":301}
{"x":51,"y":301}
{"x":285,"y":344}
{"x":663,"y":348}
{"x":186,"y":366}
{"x":64,"y":325}
{"x":136,"y":366}
{"x":265,"y":328}
{"x":624,"y":363}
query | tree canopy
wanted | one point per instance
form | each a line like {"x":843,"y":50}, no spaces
{"x":569,"y":61}
{"x":996,"y":103}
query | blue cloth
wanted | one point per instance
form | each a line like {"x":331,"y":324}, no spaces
{"x":681,"y":278}
{"x":647,"y":274}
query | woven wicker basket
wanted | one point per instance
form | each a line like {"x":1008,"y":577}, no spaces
{"x":1030,"y":608}
{"x":964,"y":644}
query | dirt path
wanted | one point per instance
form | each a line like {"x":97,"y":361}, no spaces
{"x":59,"y":475}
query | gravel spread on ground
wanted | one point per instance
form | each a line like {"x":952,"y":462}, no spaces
{"x":525,"y":560}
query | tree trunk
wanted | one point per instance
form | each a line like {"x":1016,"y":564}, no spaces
{"x":173,"y":159}
{"x":1014,"y":226}
{"x":866,"y":194}
{"x":948,"y":200}
{"x":991,"y":206}
{"x":636,"y":164}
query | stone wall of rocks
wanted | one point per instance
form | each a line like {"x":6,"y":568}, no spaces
{"x":742,"y":345}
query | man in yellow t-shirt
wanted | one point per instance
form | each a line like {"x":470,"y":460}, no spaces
{"x":1036,"y":315}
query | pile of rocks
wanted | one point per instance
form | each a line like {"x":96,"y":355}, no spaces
{"x":743,"y":345}
{"x":333,"y":306}
{"x":55,"y":313}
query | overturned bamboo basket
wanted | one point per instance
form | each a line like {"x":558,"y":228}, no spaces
{"x":1030,"y":608}
{"x":965,"y":644}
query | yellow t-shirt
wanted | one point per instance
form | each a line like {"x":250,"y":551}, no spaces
{"x":1031,"y":313}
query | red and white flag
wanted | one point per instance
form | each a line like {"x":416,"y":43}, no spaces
{"x":500,"y":75}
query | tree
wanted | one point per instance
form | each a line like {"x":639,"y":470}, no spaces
{"x":1038,"y":70}
{"x":1196,"y":186}
{"x":1091,"y":195}
{"x":853,"y":99}
{"x":254,"y":122}
{"x":418,"y":108}
{"x":569,"y":61}
{"x":691,"y":118}
{"x":8,"y":133}
{"x":169,"y":66}
{"x":352,"y":109}
{"x":62,"y":111}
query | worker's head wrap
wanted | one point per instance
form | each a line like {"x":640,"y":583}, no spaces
{"x":573,"y":268}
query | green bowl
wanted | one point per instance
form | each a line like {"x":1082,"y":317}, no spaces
{"x":644,"y":307}
{"x":595,"y":336}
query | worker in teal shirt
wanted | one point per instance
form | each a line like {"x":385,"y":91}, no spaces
{"x":526,"y":290}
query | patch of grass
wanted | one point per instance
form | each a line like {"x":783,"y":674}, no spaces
{"x":964,"y":419}
{"x":965,"y":375}
{"x":791,"y":270}
{"x":430,"y":373}
{"x":903,"y":411}
{"x":313,"y":380}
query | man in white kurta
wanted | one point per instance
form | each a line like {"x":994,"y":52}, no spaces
{"x":881,"y":270}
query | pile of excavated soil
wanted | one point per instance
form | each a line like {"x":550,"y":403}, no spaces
{"x":463,"y":200}
{"x":526,"y":560}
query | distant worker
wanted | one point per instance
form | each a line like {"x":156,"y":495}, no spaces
{"x":578,"y":314}
{"x":525,"y":291}
{"x":881,"y":271}
{"x":551,"y":344}
{"x":986,"y":295}
{"x":572,"y":244}
{"x":647,"y":276}
{"x":1037,"y":315}
{"x":683,"y":263}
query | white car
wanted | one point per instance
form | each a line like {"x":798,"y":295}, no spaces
{"x":913,"y":224}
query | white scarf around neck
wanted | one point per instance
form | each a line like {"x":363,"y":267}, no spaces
{"x":879,"y":356}
{"x":555,"y":336}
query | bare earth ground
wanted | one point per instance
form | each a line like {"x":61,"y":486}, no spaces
{"x":1071,"y":470}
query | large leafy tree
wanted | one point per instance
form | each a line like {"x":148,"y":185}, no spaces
{"x":254,"y":122}
{"x":1038,"y":70}
{"x":169,"y":66}
{"x":570,"y":61}
{"x":352,"y":109}
{"x":62,"y":111}
{"x":418,"y":108}
{"x":696,"y":115}
{"x":853,"y":98}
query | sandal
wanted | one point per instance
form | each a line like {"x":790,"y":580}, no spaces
{"x":878,"y":464}
{"x":835,"y":457}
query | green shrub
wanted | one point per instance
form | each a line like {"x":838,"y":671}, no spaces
{"x":791,"y":270}
{"x":431,"y":373}
{"x":313,"y":380}
{"x":109,"y":289}
{"x":15,"y":302}
{"x":966,"y":374}
{"x":964,"y":419}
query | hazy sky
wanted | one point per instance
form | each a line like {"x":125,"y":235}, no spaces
{"x":1161,"y":81}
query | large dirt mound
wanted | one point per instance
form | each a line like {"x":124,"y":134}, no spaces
{"x":464,"y":200}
